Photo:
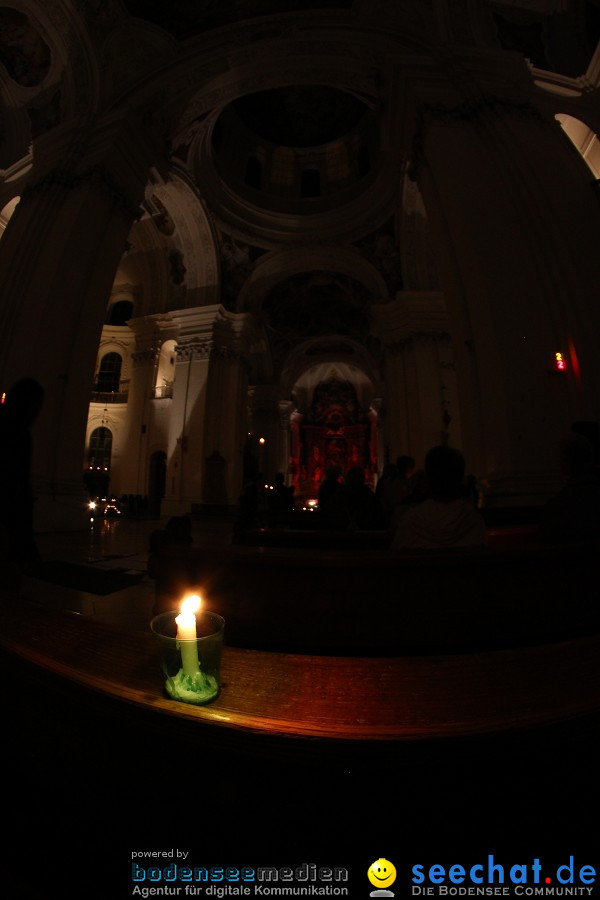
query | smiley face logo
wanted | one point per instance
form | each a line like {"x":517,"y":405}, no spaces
{"x":382,"y":873}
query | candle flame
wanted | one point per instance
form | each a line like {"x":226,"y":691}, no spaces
{"x":191,"y":604}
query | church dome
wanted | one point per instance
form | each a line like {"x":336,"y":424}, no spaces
{"x":291,"y":148}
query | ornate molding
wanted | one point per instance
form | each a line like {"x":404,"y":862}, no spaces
{"x":206,"y":349}
{"x":95,"y":176}
{"x":140,"y":357}
{"x":187,"y":350}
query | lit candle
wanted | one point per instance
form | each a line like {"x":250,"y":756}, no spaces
{"x":186,"y":634}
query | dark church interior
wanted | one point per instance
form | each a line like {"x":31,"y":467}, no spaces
{"x":299,"y":313}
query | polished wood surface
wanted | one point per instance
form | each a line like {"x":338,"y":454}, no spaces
{"x":412,"y":699}
{"x":378,"y":603}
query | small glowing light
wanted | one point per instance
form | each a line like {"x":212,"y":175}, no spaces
{"x":92,"y":504}
{"x":312,"y":504}
{"x":191,"y":604}
{"x":270,"y":487}
{"x":560,"y":362}
{"x":3,"y":397}
{"x":261,"y":440}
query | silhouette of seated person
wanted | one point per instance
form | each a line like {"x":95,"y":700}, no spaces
{"x":393,"y":488}
{"x":280,"y":501}
{"x":573,"y":515}
{"x":352,"y":507}
{"x":329,"y":494}
{"x":444,"y":520}
{"x":248,"y":512}
{"x":406,"y":467}
{"x":388,"y":492}
{"x":22,"y":406}
{"x":176,"y":533}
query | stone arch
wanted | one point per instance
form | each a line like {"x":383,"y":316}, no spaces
{"x":6,"y":213}
{"x":584,"y":139}
{"x":119,"y":312}
{"x":329,"y":351}
{"x":346,"y":261}
{"x":195,"y":239}
{"x":16,"y":132}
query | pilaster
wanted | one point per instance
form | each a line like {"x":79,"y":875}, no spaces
{"x":207,"y":421}
{"x":58,"y":257}
{"x":265,"y":404}
{"x":416,"y":345}
{"x":512,"y":207}
{"x":150,"y":333}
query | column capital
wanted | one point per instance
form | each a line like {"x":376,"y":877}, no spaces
{"x":212,"y":332}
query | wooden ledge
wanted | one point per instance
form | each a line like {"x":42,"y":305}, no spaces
{"x":304,"y":698}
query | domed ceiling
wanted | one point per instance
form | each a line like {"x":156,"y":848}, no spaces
{"x":295,"y":143}
{"x":300,"y":116}
{"x":186,"y":18}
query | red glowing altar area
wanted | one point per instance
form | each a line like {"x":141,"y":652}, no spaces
{"x":335,"y":433}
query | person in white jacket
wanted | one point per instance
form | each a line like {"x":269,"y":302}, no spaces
{"x":446,"y":519}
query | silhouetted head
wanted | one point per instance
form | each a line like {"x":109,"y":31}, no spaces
{"x":179,"y":528}
{"x":25,"y":400}
{"x":445,"y":470}
{"x":355,"y":477}
{"x":405,"y":466}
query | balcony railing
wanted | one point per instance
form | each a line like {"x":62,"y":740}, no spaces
{"x":110,"y":396}
{"x":163,"y":391}
{"x":101,"y":395}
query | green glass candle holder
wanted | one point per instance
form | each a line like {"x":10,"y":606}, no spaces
{"x":191,"y":667}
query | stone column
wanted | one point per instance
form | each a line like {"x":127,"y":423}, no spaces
{"x":58,"y":257}
{"x":266,"y":423}
{"x":208,"y":411}
{"x":150,"y":333}
{"x":286,"y":409}
{"x":227,"y":392}
{"x":378,"y":411}
{"x":516,"y":223}
{"x":416,"y":345}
